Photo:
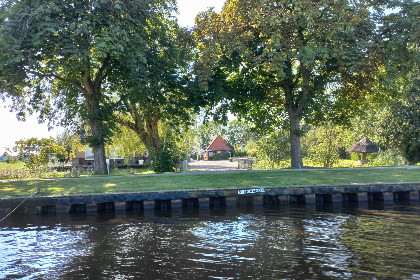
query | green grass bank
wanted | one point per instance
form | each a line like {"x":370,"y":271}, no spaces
{"x":208,"y":180}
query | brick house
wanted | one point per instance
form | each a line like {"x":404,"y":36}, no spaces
{"x":217,"y":146}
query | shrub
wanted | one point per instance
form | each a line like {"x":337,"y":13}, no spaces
{"x":27,"y":173}
{"x":163,"y":161}
{"x":265,"y":164}
{"x":324,"y":145}
{"x":226,"y":155}
{"x":217,"y":156}
{"x":272,"y":150}
{"x":386,"y":158}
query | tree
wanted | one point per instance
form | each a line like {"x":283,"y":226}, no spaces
{"x":36,"y":152}
{"x":127,"y":143}
{"x":155,"y":89}
{"x":64,"y":139}
{"x":238,"y":134}
{"x":401,"y":124}
{"x":272,"y":149}
{"x":401,"y":127}
{"x":58,"y":56}
{"x":324,"y":144}
{"x":280,"y":62}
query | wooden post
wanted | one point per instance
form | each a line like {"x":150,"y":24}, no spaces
{"x":247,"y":201}
{"x":163,"y":205}
{"x":47,"y":210}
{"x":300,"y":199}
{"x":108,"y":207}
{"x":323,"y":198}
{"x":376,"y":196}
{"x":190,"y":203}
{"x":77,"y":209}
{"x":350,"y":197}
{"x":134,"y":206}
{"x":217,"y":202}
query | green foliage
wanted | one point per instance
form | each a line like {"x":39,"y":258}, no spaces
{"x":251,"y":148}
{"x":60,"y":58}
{"x":386,"y":158}
{"x":238,"y":152}
{"x":126,"y":143}
{"x":64,"y":139}
{"x":401,"y":127}
{"x":226,"y":155}
{"x":17,"y":171}
{"x":217,"y":156}
{"x":237,"y":134}
{"x":273,"y":149}
{"x":155,"y":89}
{"x":163,"y":161}
{"x":185,"y":142}
{"x":324,"y":144}
{"x":274,"y":63}
{"x":36,"y":152}
{"x":76,"y":172}
{"x":356,"y":156}
{"x":13,"y":173}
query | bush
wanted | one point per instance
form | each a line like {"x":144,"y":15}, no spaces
{"x":163,"y":161}
{"x":10,"y":173}
{"x":238,"y":152}
{"x":226,"y":155}
{"x":355,"y":156}
{"x":272,"y":150}
{"x":217,"y":156}
{"x":27,"y":173}
{"x":268,"y":165}
{"x":76,"y":172}
{"x":324,"y":145}
{"x":386,"y":158}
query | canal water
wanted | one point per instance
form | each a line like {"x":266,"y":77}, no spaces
{"x":285,"y":242}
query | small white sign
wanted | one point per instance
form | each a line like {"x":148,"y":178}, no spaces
{"x":261,"y":190}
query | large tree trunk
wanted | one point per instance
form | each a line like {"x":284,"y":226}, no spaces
{"x":146,"y":128}
{"x":295,"y":102}
{"x":152,"y":134}
{"x":295,"y":132}
{"x":92,"y":97}
{"x":99,"y":165}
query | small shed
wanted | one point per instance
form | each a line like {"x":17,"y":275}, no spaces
{"x":217,"y":146}
{"x":364,"y":146}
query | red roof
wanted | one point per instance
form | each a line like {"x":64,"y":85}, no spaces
{"x":218,"y":144}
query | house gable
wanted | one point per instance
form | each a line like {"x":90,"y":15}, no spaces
{"x":218,"y":144}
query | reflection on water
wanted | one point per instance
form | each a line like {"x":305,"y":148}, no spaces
{"x":282,"y":243}
{"x":32,"y":251}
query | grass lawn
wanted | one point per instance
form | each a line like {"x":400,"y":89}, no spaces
{"x":215,"y":180}
{"x":18,"y":165}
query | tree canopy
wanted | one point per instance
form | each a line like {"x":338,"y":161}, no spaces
{"x":58,"y":57}
{"x":36,"y":152}
{"x":276,"y":62}
{"x":156,"y":88}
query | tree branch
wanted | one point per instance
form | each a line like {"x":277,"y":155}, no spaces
{"x":100,"y":75}
{"x":76,"y":84}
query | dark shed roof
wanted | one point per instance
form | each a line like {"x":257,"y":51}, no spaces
{"x":364,"y":146}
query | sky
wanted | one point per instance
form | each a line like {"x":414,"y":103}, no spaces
{"x":12,"y":130}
